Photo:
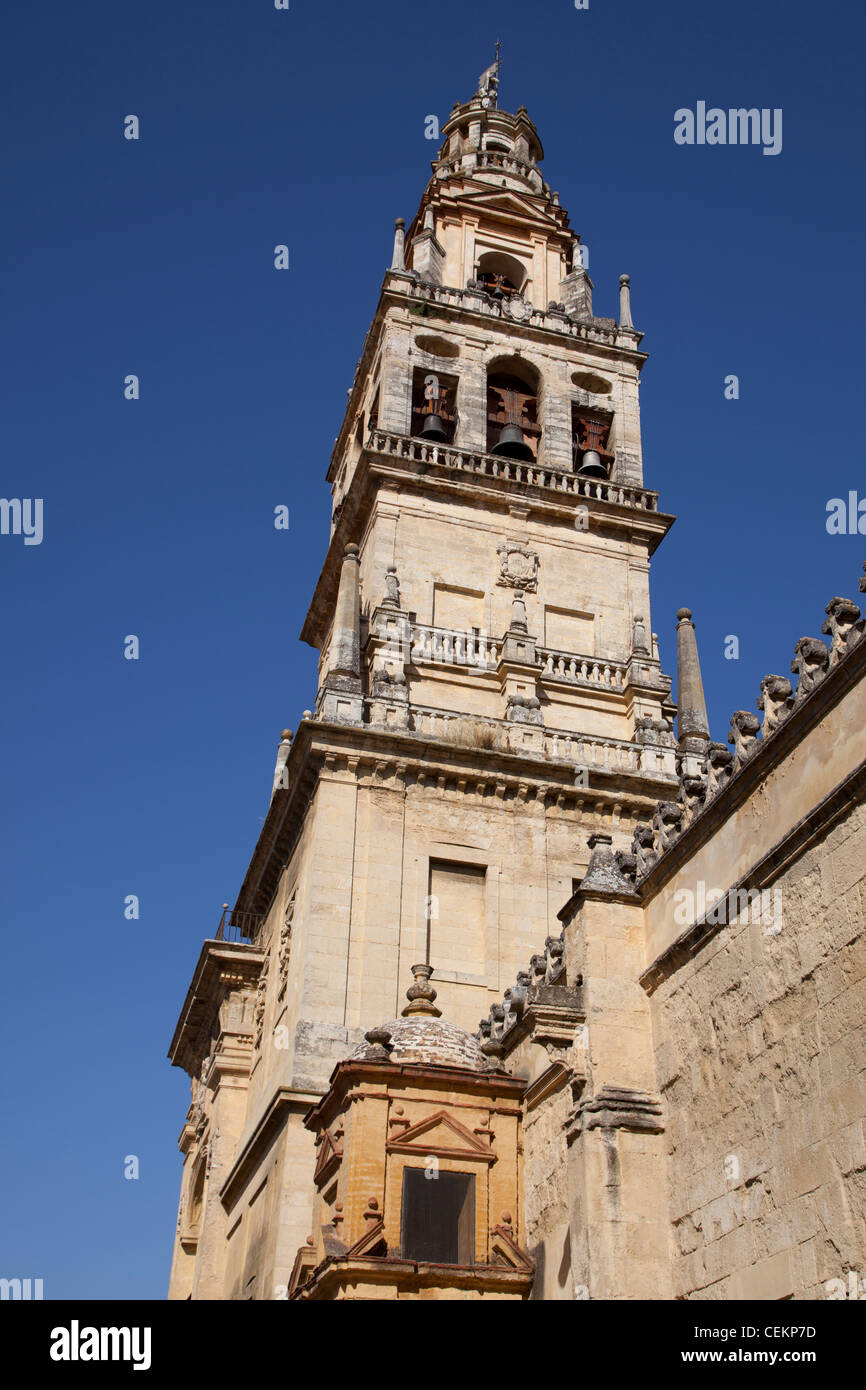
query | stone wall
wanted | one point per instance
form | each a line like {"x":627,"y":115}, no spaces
{"x":761,"y":1053}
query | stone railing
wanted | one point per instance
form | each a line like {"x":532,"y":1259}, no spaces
{"x":514,"y":470}
{"x":590,"y":331}
{"x":611,"y":754}
{"x":488,"y":159}
{"x":558,"y":745}
{"x":473,"y":729}
{"x":453,"y":647}
{"x":581,"y":670}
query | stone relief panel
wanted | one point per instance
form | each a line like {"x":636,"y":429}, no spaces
{"x":518,"y":566}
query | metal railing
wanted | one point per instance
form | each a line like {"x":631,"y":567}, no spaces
{"x":240,"y":927}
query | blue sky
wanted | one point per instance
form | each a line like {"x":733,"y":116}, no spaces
{"x":155,"y":257}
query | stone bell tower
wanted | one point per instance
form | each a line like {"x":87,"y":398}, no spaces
{"x":489,"y":695}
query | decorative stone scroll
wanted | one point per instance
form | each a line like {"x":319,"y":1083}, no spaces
{"x":285,"y":946}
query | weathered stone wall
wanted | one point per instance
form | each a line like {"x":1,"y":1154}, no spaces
{"x":761,"y":1053}
{"x":545,"y":1165}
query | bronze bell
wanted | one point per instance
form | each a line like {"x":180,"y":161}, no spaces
{"x":512,"y":444}
{"x":591,"y":465}
{"x":434,"y":429}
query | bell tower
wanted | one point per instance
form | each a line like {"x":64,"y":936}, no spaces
{"x":489,"y":691}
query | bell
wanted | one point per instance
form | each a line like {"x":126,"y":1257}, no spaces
{"x":512,"y":444}
{"x":434,"y":428}
{"x":591,"y":465}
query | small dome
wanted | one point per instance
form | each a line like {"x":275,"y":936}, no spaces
{"x":430,"y":1041}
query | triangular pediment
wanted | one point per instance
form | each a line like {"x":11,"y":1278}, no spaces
{"x":505,"y":201}
{"x":442,"y":1135}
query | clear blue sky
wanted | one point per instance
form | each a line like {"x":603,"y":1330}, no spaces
{"x":261,"y":127}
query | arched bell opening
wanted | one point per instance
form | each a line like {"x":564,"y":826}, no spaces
{"x":590,"y":431}
{"x":501,"y":275}
{"x":434,"y":406}
{"x":513,"y":430}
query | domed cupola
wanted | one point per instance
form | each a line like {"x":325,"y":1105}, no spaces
{"x":421,"y":1034}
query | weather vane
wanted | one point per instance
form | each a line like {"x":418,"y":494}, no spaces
{"x":488,"y":83}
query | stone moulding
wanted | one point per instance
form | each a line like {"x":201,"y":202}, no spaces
{"x":616,"y":1107}
{"x":499,"y":1278}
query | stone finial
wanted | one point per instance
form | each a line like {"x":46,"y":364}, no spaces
{"x":776,"y":702}
{"x":518,"y":612}
{"x":638,"y":642}
{"x":840,"y":626}
{"x":745,"y":727}
{"x":281,"y":776}
{"x":392,"y":588}
{"x":810,"y":663}
{"x":429,"y":221}
{"x":398,"y":261}
{"x":693,"y":731}
{"x":380,"y":1044}
{"x":625,"y":302}
{"x":421,"y":994}
{"x":372,"y":1216}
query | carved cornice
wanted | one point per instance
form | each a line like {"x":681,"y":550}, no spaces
{"x":222,"y":968}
